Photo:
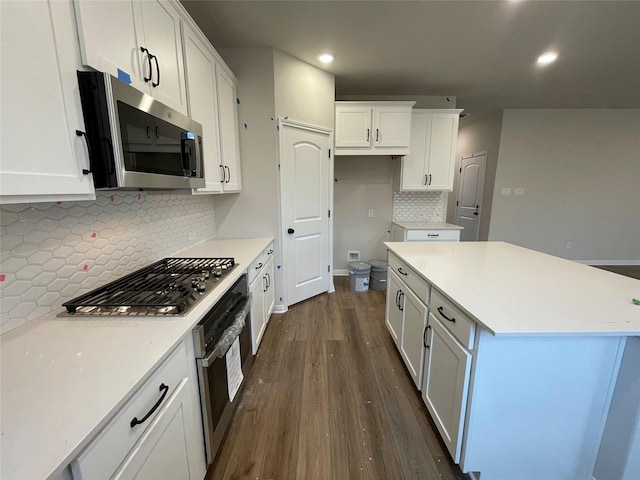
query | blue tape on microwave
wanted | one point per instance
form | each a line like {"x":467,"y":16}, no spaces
{"x":191,"y":135}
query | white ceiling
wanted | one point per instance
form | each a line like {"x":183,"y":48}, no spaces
{"x":483,"y":52}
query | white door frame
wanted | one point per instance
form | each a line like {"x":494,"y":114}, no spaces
{"x":283,"y":122}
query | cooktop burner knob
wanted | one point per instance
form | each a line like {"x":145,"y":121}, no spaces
{"x":205,"y":274}
{"x":195,"y":281}
{"x":201,"y":287}
{"x":217,"y":272}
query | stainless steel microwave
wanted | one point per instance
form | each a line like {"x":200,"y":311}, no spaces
{"x":136,"y":142}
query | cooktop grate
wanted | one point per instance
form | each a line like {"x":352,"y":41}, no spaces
{"x":167,"y":287}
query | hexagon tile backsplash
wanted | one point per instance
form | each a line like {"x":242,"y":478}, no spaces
{"x":52,"y":252}
{"x":419,"y":206}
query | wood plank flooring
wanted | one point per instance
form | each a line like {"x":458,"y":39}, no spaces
{"x":329,"y":398}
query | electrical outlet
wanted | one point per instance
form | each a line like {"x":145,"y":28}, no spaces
{"x":353,"y":255}
{"x":505,"y":191}
{"x":370,"y":213}
{"x":518,"y":192}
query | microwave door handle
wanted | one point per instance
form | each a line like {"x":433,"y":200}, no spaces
{"x":186,"y":152}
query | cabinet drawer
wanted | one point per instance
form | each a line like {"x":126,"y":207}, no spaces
{"x":101,"y":458}
{"x":258,"y":264}
{"x":416,"y":283}
{"x":459,"y":324}
{"x":433,"y":235}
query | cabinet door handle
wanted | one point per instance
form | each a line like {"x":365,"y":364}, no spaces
{"x":397,"y":298}
{"x":80,"y":133}
{"x":367,"y":134}
{"x":430,"y":176}
{"x":223,"y":173}
{"x":441,"y":312}
{"x":377,"y":135}
{"x":155,"y":59}
{"x":227,"y":177}
{"x":426,"y":179}
{"x":164,"y":389}
{"x":144,"y":50}
{"x":265,"y":283}
{"x":268,"y":280}
{"x":400,"y":302}
{"x":424,"y":336}
{"x":401,"y":272}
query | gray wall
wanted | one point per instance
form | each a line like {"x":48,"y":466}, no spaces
{"x":480,"y":136}
{"x":270,"y":84}
{"x":580,"y":169}
{"x":363,"y":183}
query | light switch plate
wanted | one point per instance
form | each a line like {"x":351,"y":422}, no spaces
{"x":518,"y":192}
{"x":505,"y":191}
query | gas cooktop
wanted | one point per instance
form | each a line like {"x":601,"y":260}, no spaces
{"x":170,"y":286}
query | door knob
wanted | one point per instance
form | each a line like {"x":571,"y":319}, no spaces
{"x":291,"y":230}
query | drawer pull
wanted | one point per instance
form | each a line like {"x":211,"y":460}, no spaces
{"x":433,"y":234}
{"x":164,"y":389}
{"x":440,"y":311}
{"x":270,"y":252}
{"x":401,"y":272}
{"x":259,"y":266}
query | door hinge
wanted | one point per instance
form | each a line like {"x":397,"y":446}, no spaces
{"x":278,"y":166}
{"x":329,"y":153}
{"x":460,"y":169}
{"x":457,"y":203}
{"x":329,"y":213}
{"x":328,"y":268}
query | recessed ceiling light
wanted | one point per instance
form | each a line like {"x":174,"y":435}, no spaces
{"x":547,"y":57}
{"x":325,"y":58}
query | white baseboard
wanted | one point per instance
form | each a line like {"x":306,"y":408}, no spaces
{"x":341,"y":273}
{"x":609,"y":262}
{"x":278,"y":309}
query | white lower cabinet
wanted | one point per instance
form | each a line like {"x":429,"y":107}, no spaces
{"x":393,"y":317}
{"x":156,"y":434}
{"x":163,"y":451}
{"x":413,"y":327}
{"x":447,"y":368}
{"x":261,"y":276}
{"x":43,"y":158}
{"x":406,"y":319}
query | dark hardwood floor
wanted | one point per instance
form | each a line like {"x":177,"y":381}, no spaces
{"x":632,"y":271}
{"x":329,"y":398}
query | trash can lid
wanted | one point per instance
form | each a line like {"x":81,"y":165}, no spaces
{"x":378,"y":264}
{"x":359,"y":266}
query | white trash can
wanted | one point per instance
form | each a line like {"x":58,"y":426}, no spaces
{"x":359,"y":277}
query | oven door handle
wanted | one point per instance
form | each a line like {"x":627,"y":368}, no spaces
{"x":230,"y":334}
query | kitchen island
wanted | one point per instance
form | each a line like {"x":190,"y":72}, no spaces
{"x":538,"y":342}
{"x":64,"y":379}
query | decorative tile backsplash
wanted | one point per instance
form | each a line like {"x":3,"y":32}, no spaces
{"x":419,"y":206}
{"x":52,"y":252}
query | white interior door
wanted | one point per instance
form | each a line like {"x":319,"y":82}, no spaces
{"x":470,"y":188}
{"x":304,"y":196}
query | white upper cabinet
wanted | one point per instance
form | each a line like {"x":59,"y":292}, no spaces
{"x":430,"y":165}
{"x":137,"y":41}
{"x":42,"y":156}
{"x":379,"y":128}
{"x":203,"y":105}
{"x":229,"y":132}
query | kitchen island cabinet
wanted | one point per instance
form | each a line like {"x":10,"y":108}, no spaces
{"x":543,"y":361}
{"x":424,"y":232}
{"x":64,"y":380}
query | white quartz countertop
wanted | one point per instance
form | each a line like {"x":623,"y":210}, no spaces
{"x":428,"y":225}
{"x":511,"y":290}
{"x":64,"y":378}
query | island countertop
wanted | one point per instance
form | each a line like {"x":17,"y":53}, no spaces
{"x":510,"y":290}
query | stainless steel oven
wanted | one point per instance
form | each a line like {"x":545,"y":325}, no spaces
{"x":222,"y":341}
